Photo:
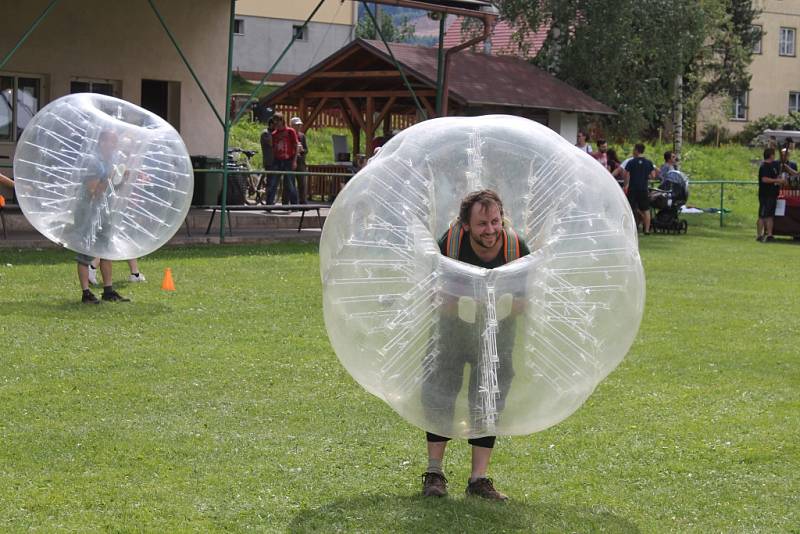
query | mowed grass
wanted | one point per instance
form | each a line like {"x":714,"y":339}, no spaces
{"x":221,"y":407}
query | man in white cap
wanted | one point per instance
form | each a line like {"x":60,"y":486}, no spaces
{"x":302,"y":150}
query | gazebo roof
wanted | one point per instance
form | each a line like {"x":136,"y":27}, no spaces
{"x":474,"y":79}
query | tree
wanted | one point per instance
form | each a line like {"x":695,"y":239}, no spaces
{"x":629,"y":54}
{"x":393,"y":31}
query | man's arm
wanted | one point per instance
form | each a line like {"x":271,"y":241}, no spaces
{"x":789,"y":170}
{"x":770,"y":180}
{"x":6,"y":181}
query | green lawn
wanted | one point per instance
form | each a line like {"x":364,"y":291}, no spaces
{"x":221,"y":407}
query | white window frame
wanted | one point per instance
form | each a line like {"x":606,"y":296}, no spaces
{"x":240,"y":23}
{"x":115,"y":85}
{"x":14,"y":137}
{"x":794,"y":95}
{"x":786,"y":41}
{"x":758,"y":47}
{"x":739,"y":107}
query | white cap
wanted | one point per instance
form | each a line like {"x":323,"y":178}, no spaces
{"x":295,"y":121}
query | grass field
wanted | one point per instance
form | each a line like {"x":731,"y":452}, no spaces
{"x":221,"y":407}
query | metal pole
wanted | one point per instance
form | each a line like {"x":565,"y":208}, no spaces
{"x":186,"y":62}
{"x":721,"y":202}
{"x":27,"y":34}
{"x":227,"y":126}
{"x":440,"y":65}
{"x":394,"y":60}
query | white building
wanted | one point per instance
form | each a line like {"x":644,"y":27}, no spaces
{"x":263,"y":29}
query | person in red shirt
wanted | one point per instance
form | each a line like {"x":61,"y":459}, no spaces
{"x":284,"y":149}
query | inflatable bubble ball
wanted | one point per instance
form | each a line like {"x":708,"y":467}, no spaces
{"x":102,"y":176}
{"x":461,"y":350}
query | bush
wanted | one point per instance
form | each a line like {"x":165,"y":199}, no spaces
{"x":772,"y":122}
{"x":247,"y":135}
{"x":714,"y":134}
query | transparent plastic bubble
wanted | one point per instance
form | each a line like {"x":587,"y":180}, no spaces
{"x":102,"y":176}
{"x":463,"y":351}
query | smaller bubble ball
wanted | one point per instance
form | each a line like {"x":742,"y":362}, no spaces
{"x":463,"y":351}
{"x":102,"y":176}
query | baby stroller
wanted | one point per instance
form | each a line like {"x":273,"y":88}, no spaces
{"x":666,"y":203}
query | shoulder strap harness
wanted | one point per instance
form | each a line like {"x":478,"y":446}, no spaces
{"x":456,"y":234}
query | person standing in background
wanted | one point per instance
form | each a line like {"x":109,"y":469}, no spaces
{"x":583,"y":142}
{"x":302,"y":150}
{"x":284,"y":145}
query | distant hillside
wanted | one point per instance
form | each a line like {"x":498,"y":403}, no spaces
{"x":395,"y":12}
{"x":426,"y":31}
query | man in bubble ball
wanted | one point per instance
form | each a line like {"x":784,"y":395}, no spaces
{"x":92,"y":215}
{"x":479,"y":238}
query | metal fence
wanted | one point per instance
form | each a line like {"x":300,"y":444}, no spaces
{"x":721,"y":184}
{"x":334,"y":118}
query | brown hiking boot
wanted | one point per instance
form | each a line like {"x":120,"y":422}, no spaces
{"x":484,"y":487}
{"x":434,"y":485}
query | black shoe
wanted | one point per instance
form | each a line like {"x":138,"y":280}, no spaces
{"x":484,"y":488}
{"x":113,"y":296}
{"x":434,"y":485}
{"x":89,"y":298}
{"x":760,"y":238}
{"x":769,"y":238}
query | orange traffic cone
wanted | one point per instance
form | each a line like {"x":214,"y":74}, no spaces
{"x":167,"y":284}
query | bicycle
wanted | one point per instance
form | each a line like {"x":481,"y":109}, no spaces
{"x":254,"y":185}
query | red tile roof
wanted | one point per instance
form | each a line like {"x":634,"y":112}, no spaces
{"x":502,"y":40}
{"x":474,"y":79}
{"x":498,"y":80}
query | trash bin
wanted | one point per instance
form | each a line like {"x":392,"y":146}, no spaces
{"x":207,"y":185}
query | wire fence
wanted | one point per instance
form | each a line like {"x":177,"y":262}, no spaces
{"x":721,"y":184}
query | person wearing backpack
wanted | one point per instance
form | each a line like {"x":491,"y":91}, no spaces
{"x":478,"y":237}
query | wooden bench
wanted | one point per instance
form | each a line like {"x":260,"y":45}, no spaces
{"x":302,"y":208}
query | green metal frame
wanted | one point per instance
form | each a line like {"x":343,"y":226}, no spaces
{"x":397,"y":63}
{"x":34,"y":25}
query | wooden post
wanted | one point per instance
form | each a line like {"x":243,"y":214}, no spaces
{"x":387,"y":124}
{"x":369,"y":129}
{"x":301,"y":111}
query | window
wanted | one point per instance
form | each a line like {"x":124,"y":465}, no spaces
{"x":19,"y":101}
{"x":238,"y":26}
{"x":739,"y":111}
{"x":106,"y":87}
{"x":757,"y":45}
{"x":300,"y":33}
{"x":794,"y":101}
{"x":786,"y":43}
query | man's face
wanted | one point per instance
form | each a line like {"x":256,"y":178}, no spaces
{"x":279,"y":123}
{"x":485,"y":225}
{"x":581,"y":138}
{"x":603,"y":147}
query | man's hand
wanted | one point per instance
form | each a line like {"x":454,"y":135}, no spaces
{"x":95,"y":187}
{"x":294,"y":164}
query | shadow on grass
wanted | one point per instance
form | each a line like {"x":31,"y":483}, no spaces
{"x":455,"y":514}
{"x":75,"y":309}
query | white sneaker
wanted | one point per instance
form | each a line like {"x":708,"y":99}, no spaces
{"x":93,"y":276}
{"x":137,"y":278}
